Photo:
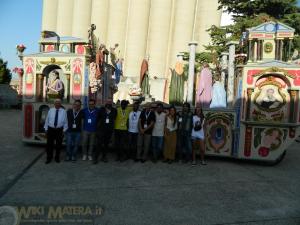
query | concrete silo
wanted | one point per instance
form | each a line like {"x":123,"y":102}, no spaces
{"x":136,"y":37}
{"x":206,"y":16}
{"x":117,"y":22}
{"x":81,"y":18}
{"x":49,"y":15}
{"x":64,"y":17}
{"x":99,"y":17}
{"x":158,"y":39}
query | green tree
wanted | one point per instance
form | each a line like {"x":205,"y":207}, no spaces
{"x":5,"y":74}
{"x":246,"y":12}
{"x":250,"y":13}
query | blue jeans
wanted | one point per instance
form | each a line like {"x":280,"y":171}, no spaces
{"x":157,"y":146}
{"x":73,"y":142}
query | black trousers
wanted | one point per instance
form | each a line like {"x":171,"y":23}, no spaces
{"x":132,"y":144}
{"x":54,"y":135}
{"x":121,"y":145}
{"x":103,"y":139}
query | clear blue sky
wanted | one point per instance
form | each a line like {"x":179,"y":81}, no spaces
{"x":20,"y":22}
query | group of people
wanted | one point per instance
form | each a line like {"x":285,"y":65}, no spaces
{"x":155,"y":132}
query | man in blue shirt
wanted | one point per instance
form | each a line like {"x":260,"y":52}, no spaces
{"x":90,"y":119}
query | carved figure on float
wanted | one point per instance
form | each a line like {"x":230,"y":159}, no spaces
{"x":177,"y":80}
{"x":204,"y":87}
{"x":144,"y":77}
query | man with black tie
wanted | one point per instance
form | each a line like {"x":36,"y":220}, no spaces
{"x":56,"y":123}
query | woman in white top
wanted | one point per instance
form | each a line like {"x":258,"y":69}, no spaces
{"x":170,"y":136}
{"x":198,"y":135}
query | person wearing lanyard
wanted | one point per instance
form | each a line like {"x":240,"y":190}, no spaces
{"x":105,"y":128}
{"x":55,"y":124}
{"x":133,"y":130}
{"x":158,"y":132}
{"x":90,"y":117}
{"x":146,"y":123}
{"x":121,"y":138}
{"x":74,"y":129}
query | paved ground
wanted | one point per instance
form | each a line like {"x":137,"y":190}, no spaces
{"x":223,"y":192}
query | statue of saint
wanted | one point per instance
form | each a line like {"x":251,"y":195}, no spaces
{"x":218,"y":94}
{"x":176,"y":93}
{"x":204,"y":87}
{"x":144,"y":77}
{"x":119,"y":70}
{"x":99,"y":61}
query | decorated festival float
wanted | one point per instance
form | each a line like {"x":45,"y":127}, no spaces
{"x":262,"y":89}
{"x":64,"y":68}
{"x":262,"y":116}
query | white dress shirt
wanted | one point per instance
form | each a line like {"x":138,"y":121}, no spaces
{"x":134,"y":121}
{"x":62,"y":120}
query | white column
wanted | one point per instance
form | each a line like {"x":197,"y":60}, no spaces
{"x":136,"y":37}
{"x":81,"y":18}
{"x":117,"y":23}
{"x":224,"y":62}
{"x":49,"y":15}
{"x":230,"y":84}
{"x":255,"y":52}
{"x":191,"y":79}
{"x":99,"y":17}
{"x":64,"y":17}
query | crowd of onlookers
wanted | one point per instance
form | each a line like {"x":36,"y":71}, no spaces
{"x":155,"y":132}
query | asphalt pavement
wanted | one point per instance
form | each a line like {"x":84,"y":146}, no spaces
{"x":222,"y":192}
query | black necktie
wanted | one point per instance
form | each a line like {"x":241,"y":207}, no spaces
{"x":56,"y":118}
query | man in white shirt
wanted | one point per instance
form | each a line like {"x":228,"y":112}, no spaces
{"x":56,"y":123}
{"x":133,"y":130}
{"x":158,"y":132}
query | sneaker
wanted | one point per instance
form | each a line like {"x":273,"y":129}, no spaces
{"x":194,"y":163}
{"x":84,"y":157}
{"x":73,"y":158}
{"x":203,"y":163}
{"x":90,"y":158}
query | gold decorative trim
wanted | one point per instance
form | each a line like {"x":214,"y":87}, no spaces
{"x":53,"y":61}
{"x":275,"y":70}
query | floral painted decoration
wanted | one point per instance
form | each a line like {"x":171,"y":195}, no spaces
{"x":21,"y":48}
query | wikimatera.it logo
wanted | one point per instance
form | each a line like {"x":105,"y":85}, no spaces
{"x":45,"y":214}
